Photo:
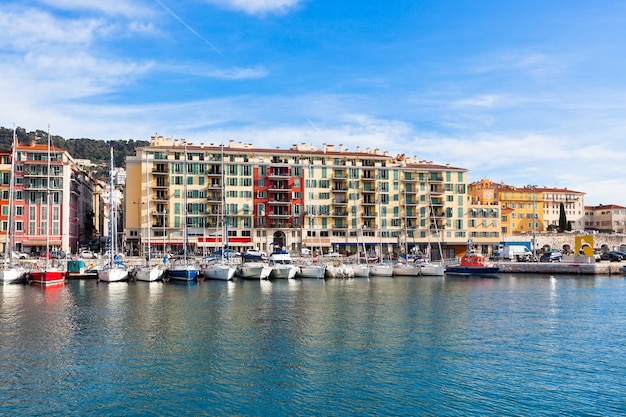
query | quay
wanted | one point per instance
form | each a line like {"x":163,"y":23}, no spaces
{"x":569,"y":265}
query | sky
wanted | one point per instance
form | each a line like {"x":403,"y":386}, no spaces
{"x":521,"y":92}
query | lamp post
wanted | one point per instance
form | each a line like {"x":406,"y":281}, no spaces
{"x":534,"y":187}
{"x":164,"y":252}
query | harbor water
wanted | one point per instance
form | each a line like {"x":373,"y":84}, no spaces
{"x":510,"y":346}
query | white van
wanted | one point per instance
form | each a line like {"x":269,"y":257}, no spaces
{"x":516,"y":252}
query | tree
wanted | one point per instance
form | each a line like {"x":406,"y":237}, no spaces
{"x":562,"y":219}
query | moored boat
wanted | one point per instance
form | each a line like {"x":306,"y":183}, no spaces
{"x":183,"y":269}
{"x":253,"y":266}
{"x":473,"y":263}
{"x":381,"y":269}
{"x":311,"y":270}
{"x":282,"y":266}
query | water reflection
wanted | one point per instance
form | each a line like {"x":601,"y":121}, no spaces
{"x":426,"y":346}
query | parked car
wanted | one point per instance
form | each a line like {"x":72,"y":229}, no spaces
{"x":19,"y":255}
{"x":611,"y":256}
{"x":552,"y":256}
{"x":87,"y":254}
{"x":53,"y":255}
{"x":620,"y":253}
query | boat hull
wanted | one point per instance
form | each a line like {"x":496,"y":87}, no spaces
{"x":249,"y":271}
{"x":283,"y":272}
{"x":473,"y":270}
{"x":113,"y":275}
{"x":47,"y":277}
{"x":149,"y":274}
{"x":360,"y":271}
{"x":339,"y":271}
{"x":312,"y":271}
{"x":406,"y":270}
{"x":183,"y":274}
{"x":432,"y":270}
{"x":12,"y":276}
{"x":220,"y":272}
{"x":381,"y":270}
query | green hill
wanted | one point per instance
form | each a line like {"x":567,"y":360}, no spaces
{"x":98,"y":151}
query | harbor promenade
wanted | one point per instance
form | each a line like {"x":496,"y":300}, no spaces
{"x":568,"y":265}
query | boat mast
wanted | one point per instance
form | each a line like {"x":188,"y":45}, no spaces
{"x":111,"y":229}
{"x":148,"y":207}
{"x":48,"y":254}
{"x":224,"y":218}
{"x":8,"y":249}
{"x":185,"y":206}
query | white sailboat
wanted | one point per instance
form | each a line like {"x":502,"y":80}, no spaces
{"x":148,"y":272}
{"x":184,"y":269}
{"x":221,"y":269}
{"x":406,"y":267}
{"x":309,"y":268}
{"x":427,"y":267}
{"x":114,"y":270}
{"x":360,"y":270}
{"x":11,"y":271}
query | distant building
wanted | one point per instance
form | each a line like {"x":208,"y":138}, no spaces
{"x":609,"y":218}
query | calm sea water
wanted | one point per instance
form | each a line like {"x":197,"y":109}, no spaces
{"x":517,"y":345}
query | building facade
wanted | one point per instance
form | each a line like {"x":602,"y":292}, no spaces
{"x":52,"y":200}
{"x":329,"y":199}
{"x":609,"y":218}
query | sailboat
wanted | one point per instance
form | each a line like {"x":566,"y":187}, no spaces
{"x":184,"y":269}
{"x":406,"y":267}
{"x":48,"y":274}
{"x":11,"y":272}
{"x":427,"y":267}
{"x":114,"y":270}
{"x":360,"y":270}
{"x":380,"y":268}
{"x":310,"y":268}
{"x":147,"y":272}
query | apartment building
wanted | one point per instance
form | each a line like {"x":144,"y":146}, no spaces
{"x":328,"y":199}
{"x":52,"y":199}
{"x":529,"y":209}
{"x":609,"y":218}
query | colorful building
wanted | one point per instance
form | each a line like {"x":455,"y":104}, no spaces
{"x":328,"y":199}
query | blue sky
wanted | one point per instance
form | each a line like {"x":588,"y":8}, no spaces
{"x":527,"y":92}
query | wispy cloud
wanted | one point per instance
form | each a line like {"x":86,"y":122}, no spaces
{"x":109,"y":7}
{"x":252,"y":73}
{"x":257,"y":7}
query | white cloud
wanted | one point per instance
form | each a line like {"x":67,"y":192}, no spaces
{"x":127,"y":8}
{"x":257,"y":7}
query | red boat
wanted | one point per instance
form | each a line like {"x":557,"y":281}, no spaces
{"x":473,"y":263}
{"x":47,"y":276}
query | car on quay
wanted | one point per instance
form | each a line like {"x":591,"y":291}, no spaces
{"x":551,"y":256}
{"x":611,"y":257}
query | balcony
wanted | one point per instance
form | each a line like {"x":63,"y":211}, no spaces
{"x":279,"y":214}
{"x":280,"y":186}
{"x":279,"y":201}
{"x":340,"y":202}
{"x":214,"y":197}
{"x":279,"y":173}
{"x":340,"y":213}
